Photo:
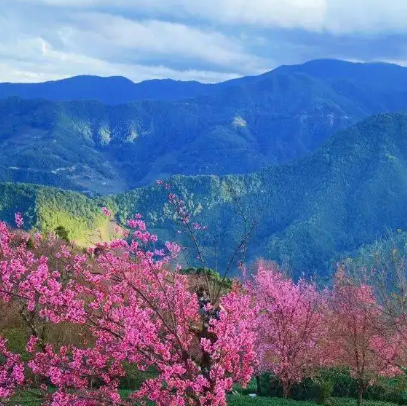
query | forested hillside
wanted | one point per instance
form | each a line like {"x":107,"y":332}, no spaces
{"x":46,"y":209}
{"x":346,"y":194}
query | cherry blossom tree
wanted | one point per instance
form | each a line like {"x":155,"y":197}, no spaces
{"x":291,"y":325}
{"x":355,"y":331}
{"x":389,"y":278}
{"x":130,"y":306}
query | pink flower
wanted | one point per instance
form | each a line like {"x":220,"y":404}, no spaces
{"x":19,"y":220}
{"x":32,"y":342}
{"x":106,"y":212}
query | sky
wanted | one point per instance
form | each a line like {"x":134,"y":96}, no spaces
{"x":205,"y":40}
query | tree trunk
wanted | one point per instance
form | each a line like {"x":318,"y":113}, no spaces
{"x":258,"y":382}
{"x":361,"y":390}
{"x":286,"y":389}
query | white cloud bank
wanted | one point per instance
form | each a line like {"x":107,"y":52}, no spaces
{"x":335,"y":16}
{"x":206,"y":40}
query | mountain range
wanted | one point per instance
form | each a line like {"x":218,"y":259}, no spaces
{"x":120,"y":90}
{"x":314,"y":155}
{"x":115,"y":89}
{"x":309,"y":213}
{"x":110,"y":145}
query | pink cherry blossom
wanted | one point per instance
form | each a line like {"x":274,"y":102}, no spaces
{"x":137,"y":309}
{"x":290,"y":324}
{"x":19,"y":220}
{"x":106,"y":212}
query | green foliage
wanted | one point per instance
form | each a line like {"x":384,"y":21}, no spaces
{"x":17,"y":340}
{"x":30,"y":398}
{"x":325,"y":391}
{"x":135,"y":378}
{"x":71,"y":215}
{"x":336,"y":383}
{"x":62,"y":233}
{"x":239,"y":400}
{"x":213,"y":276}
{"x":76,"y":213}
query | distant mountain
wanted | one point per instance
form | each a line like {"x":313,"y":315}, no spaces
{"x":115,"y":89}
{"x":118,"y":90}
{"x":385,"y":76}
{"x":249,"y":124}
{"x":309,"y":212}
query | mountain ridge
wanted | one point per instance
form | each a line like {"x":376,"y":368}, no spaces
{"x":114,"y":89}
{"x":84,"y":87}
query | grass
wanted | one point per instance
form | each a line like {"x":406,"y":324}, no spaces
{"x":243,"y":400}
{"x":239,"y":400}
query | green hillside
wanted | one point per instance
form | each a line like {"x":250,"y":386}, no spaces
{"x":347,"y":194}
{"x":47,"y":208}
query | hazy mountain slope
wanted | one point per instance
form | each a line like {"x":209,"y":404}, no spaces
{"x":89,"y":146}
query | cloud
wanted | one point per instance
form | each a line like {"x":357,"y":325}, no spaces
{"x":273,"y":13}
{"x":334,"y":16}
{"x":36,"y":40}
{"x":207,"y":40}
{"x":365,"y":17}
{"x":116,"y":36}
{"x":50,"y":64}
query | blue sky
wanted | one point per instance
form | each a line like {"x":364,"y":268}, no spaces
{"x":205,"y":40}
